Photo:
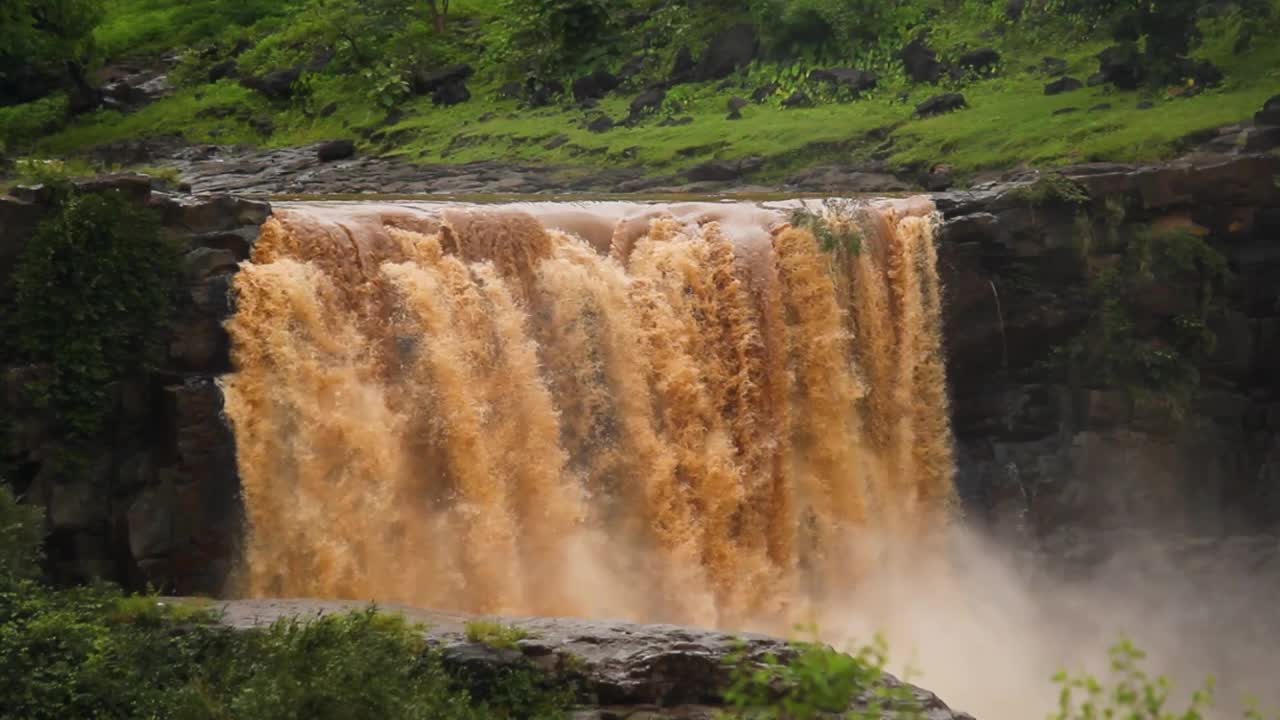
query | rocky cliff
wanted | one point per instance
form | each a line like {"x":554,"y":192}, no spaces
{"x":1055,"y":450}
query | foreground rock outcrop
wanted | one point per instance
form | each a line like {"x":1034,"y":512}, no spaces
{"x":620,"y":670}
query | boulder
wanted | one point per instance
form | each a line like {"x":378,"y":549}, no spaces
{"x":224,"y":69}
{"x":1062,"y":85}
{"x":1270,"y":112}
{"x":335,"y":150}
{"x":723,"y":170}
{"x":857,"y":81}
{"x":736,"y":103}
{"x":648,"y":101}
{"x":277,"y":84}
{"x":1053,"y":66}
{"x":1122,"y":66}
{"x":427,"y":83}
{"x":920,"y":61}
{"x":452,"y":94}
{"x":595,"y":85}
{"x":981,"y":60}
{"x":683,"y":67}
{"x":798,"y":99}
{"x":601,"y":124}
{"x":730,"y":49}
{"x":540,"y":93}
{"x":764,"y":92}
{"x":939,"y":104}
{"x":1261,"y":139}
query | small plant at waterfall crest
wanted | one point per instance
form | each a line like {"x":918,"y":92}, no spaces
{"x":495,"y":634}
{"x":834,"y":227}
{"x":1132,"y":695}
{"x":817,"y":681}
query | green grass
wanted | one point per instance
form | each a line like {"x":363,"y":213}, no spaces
{"x":495,"y":634}
{"x":1009,"y":122}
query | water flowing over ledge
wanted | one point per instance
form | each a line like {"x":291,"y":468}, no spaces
{"x":691,"y":413}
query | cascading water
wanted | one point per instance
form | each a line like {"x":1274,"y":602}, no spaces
{"x":689,"y":413}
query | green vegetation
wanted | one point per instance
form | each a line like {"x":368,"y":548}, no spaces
{"x":21,"y":538}
{"x":1132,"y":693}
{"x":93,"y":289}
{"x":362,"y":64}
{"x":1139,"y":274}
{"x":835,"y":227}
{"x":817,"y":682}
{"x":495,"y":634}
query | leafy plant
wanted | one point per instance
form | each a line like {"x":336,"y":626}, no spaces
{"x":835,"y":227}
{"x":1132,"y":695}
{"x":21,"y":538}
{"x":817,"y":681}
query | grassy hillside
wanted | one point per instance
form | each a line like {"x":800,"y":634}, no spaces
{"x":358,"y":71}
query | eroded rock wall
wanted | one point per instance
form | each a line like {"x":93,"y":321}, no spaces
{"x":160,"y":506}
{"x":1064,"y":459}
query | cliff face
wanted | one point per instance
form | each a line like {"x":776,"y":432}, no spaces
{"x":1053,"y":450}
{"x":1056,"y":451}
{"x":160,"y":506}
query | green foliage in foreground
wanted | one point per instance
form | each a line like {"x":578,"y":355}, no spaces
{"x":93,"y":289}
{"x":93,"y":653}
{"x":21,"y":538}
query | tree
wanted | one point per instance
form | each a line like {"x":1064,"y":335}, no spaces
{"x":439,"y":13}
{"x":45,"y":45}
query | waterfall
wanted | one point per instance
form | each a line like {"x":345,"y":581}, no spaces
{"x":699,"y":413}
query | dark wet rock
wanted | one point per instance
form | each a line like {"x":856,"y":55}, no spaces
{"x":277,"y":84}
{"x":981,"y":60}
{"x":736,"y":103}
{"x":451,"y":94}
{"x":540,"y":93}
{"x":1053,"y":66}
{"x":920,"y":61}
{"x":939,"y":178}
{"x":511,"y":90}
{"x":1270,"y":112}
{"x":1096,"y":79}
{"x":1066,"y":110}
{"x":764,"y":92}
{"x":857,"y":81}
{"x":1261,"y":139}
{"x":632,"y":67}
{"x":682,"y":67}
{"x":939,"y":104}
{"x":222,"y":70}
{"x":262,"y":124}
{"x":676,"y":121}
{"x":1145,"y":105}
{"x":798,"y":99}
{"x":730,"y":50}
{"x":427,"y":82}
{"x":648,"y":101}
{"x":1013,"y":9}
{"x":724,"y":170}
{"x":1202,"y":72}
{"x":600,"y":124}
{"x":556,"y":142}
{"x":335,"y":150}
{"x":595,"y":85}
{"x":1062,"y":85}
{"x":135,"y":90}
{"x":1100,"y":107}
{"x":1122,"y":66}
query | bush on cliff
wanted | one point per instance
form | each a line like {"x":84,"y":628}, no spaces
{"x":94,"y":287}
{"x":21,"y":538}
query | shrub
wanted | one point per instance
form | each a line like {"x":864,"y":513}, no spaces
{"x":94,"y":287}
{"x":818,"y":681}
{"x":551,"y":36}
{"x":495,"y":634}
{"x":21,"y":538}
{"x":1132,"y":694}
